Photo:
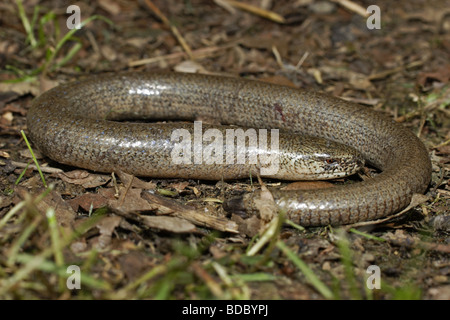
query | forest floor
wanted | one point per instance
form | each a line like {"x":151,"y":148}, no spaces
{"x":401,"y":69}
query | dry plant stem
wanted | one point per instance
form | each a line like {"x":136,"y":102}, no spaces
{"x":257,"y":11}
{"x":174,"y":29}
{"x":197,"y":54}
{"x":31,"y":166}
{"x":352,"y":6}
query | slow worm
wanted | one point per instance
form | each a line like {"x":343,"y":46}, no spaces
{"x":75,"y":124}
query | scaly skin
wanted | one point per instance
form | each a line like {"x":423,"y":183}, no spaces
{"x":67,"y":124}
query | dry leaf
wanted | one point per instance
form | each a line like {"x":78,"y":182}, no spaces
{"x":266,"y":205}
{"x":15,"y":109}
{"x":133,"y":203}
{"x":64,"y":214}
{"x":88,"y":201}
{"x":78,"y":246}
{"x":84,"y":178}
{"x":22,"y":88}
{"x":4,"y":154}
{"x":249,"y":227}
{"x":442,"y":75}
{"x":136,"y":182}
{"x":109,"y":53}
{"x":179,"y":186}
{"x":106,"y":227}
{"x":134,"y":263}
{"x":5,"y":201}
{"x":6,"y":97}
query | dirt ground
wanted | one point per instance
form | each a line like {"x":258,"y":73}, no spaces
{"x":402,"y":69}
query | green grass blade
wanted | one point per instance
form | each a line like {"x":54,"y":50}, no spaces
{"x":309,"y":274}
{"x":34,"y":158}
{"x":26,"y":24}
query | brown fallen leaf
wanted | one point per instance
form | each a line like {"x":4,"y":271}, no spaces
{"x":88,"y":201}
{"x":79,"y":246}
{"x":109,"y":52}
{"x":133,"y":203}
{"x":217,"y":251}
{"x":134,"y":263}
{"x":179,"y":186}
{"x":6,"y":97}
{"x":64,"y":214}
{"x":21,"y":88}
{"x":135,"y":182}
{"x":442,"y":75}
{"x":266,"y":204}
{"x":250,"y":227}
{"x":85,"y":178}
{"x":108,"y":193}
{"x":106,"y":227}
{"x":15,"y":109}
{"x":4,"y":154}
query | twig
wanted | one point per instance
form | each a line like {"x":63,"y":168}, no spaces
{"x":209,"y":281}
{"x":32,"y":166}
{"x":441,"y":144}
{"x":197,"y":54}
{"x":356,"y":8}
{"x":257,"y":11}
{"x":224,"y":4}
{"x":192,"y":215}
{"x":174,"y":29}
{"x":277,"y":55}
{"x":386,"y":73}
{"x":302,"y":60}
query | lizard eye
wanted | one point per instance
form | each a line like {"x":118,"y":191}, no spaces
{"x":330,"y":161}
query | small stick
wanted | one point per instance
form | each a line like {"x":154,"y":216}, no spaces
{"x":174,"y":29}
{"x":198,"y":54}
{"x":32,"y":166}
{"x":356,"y":8}
{"x":257,"y":11}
